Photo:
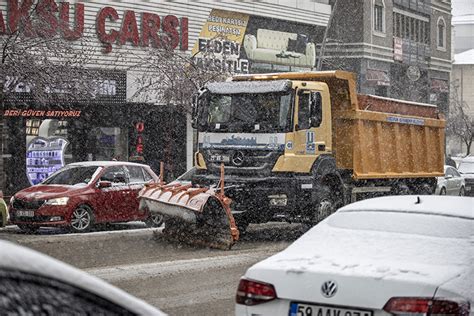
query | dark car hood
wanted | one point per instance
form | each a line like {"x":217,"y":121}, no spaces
{"x":44,"y":192}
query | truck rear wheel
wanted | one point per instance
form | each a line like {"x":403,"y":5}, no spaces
{"x":325,"y":205}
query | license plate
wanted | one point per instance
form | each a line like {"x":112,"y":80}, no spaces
{"x":220,"y":158}
{"x":25,"y":213}
{"x":298,"y":309}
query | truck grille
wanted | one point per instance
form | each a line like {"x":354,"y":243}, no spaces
{"x":242,"y":162}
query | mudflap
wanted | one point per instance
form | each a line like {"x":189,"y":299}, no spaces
{"x":214,"y":227}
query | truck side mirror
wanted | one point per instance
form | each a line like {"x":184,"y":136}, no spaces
{"x":194,"y":113}
{"x":200,"y":109}
{"x":316,"y":109}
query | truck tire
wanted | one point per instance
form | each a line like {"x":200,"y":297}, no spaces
{"x":325,"y":205}
{"x":242,"y":225}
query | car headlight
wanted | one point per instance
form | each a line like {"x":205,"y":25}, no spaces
{"x":57,"y":201}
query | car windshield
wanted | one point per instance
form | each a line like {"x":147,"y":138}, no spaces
{"x":72,"y":175}
{"x":250,"y":112}
{"x":466,"y":167}
{"x":404,"y":223}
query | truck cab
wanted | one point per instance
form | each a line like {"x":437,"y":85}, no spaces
{"x":268,"y":135}
{"x":258,"y":129}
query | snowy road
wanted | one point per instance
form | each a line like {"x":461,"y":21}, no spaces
{"x":203,"y":286}
{"x":178,"y":279}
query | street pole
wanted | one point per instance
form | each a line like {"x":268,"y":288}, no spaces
{"x":323,"y":46}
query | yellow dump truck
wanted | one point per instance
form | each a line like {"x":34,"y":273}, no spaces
{"x":295,"y":146}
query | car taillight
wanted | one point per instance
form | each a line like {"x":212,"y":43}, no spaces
{"x":426,"y":306}
{"x":254,"y":292}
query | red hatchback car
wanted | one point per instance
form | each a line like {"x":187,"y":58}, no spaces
{"x":83,"y":194}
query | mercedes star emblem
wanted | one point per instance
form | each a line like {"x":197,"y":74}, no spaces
{"x":329,"y":288}
{"x":238,"y":158}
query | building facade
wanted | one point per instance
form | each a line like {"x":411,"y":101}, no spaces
{"x":462,"y":92}
{"x":399,"y":48}
{"x":463,"y":25}
{"x":118,"y":122}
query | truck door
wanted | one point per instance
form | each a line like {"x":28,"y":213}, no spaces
{"x":310,"y":128}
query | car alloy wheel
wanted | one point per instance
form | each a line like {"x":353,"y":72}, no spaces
{"x":81,"y":219}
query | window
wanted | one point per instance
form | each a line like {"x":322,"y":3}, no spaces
{"x":304,"y":111}
{"x":379,"y":17}
{"x":411,"y":28}
{"x":147,"y":176}
{"x":115,"y":174}
{"x":135,"y":174}
{"x":28,"y":294}
{"x":441,"y":33}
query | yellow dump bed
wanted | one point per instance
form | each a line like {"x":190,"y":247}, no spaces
{"x":377,"y":137}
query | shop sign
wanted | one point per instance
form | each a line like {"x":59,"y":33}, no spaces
{"x":234,"y":42}
{"x":138,"y":148}
{"x":41,"y":113}
{"x":51,"y":18}
{"x":397,"y":49}
{"x":44,"y":156}
{"x":169,"y":32}
{"x":220,"y":42}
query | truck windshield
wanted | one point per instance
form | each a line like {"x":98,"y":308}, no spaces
{"x":268,"y":112}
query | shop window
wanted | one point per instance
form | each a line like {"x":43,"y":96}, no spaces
{"x":379,"y":16}
{"x":32,"y":127}
{"x":45,"y":148}
{"x":441,"y":33}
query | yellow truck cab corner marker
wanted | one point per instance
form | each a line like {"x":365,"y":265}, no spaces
{"x":199,"y":161}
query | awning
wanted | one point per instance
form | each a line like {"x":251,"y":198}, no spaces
{"x":377,"y":77}
{"x":439,"y":85}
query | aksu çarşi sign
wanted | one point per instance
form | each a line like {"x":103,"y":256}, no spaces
{"x":50,"y":18}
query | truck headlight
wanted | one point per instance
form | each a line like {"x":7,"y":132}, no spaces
{"x":57,"y":201}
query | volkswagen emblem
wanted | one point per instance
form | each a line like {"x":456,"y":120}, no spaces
{"x":329,"y":288}
{"x":238,"y":158}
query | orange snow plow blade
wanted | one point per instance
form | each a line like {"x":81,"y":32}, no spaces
{"x":193,"y":215}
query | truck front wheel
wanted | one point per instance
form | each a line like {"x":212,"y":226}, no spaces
{"x":325,"y":205}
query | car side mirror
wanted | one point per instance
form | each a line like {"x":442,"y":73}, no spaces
{"x":200,"y":109}
{"x":104,"y":184}
{"x":448,"y":176}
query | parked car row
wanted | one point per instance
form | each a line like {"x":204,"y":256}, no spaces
{"x":83,"y":194}
{"x":466,"y":168}
{"x":452,"y":183}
